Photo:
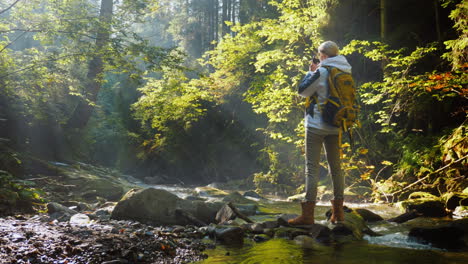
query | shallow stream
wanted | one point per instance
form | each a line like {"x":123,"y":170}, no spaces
{"x":393,"y":247}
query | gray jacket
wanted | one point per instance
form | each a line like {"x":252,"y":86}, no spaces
{"x":317,"y":83}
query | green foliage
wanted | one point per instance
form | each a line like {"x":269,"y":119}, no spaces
{"x":458,"y":47}
{"x":18,"y":195}
{"x":168,"y":105}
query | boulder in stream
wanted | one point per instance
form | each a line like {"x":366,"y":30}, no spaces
{"x":368,"y":215}
{"x":425,"y":204}
{"x":160,"y":207}
{"x":446,"y":237}
{"x":252,"y":194}
{"x":229,"y":234}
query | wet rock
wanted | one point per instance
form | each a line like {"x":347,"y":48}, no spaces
{"x":225,"y":214}
{"x":208,"y":191}
{"x":261,"y":238}
{"x":54,"y":207}
{"x":247,"y":209}
{"x":253,"y":227}
{"x":155,"y":179}
{"x":352,"y":229}
{"x":252,"y":194}
{"x":230,"y":235}
{"x":270,"y":224}
{"x":283,"y":219}
{"x":447,"y":237}
{"x":453,"y":200}
{"x":309,"y":243}
{"x":77,"y":206}
{"x":289,"y":232}
{"x":425,"y":206}
{"x":405,"y":217}
{"x":237,"y":198}
{"x":194,"y":198}
{"x":368,"y":215}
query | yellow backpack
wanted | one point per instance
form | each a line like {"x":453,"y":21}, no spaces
{"x":341,"y":107}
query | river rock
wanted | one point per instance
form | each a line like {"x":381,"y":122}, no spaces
{"x":252,"y":194}
{"x":270,"y":224}
{"x":296,"y":198}
{"x":308,"y":242}
{"x":256,"y":228}
{"x":237,"y":198}
{"x":425,"y":206}
{"x":225,"y":214}
{"x":368,"y":215}
{"x":289,"y":232}
{"x":80,"y":219}
{"x":446,"y":237}
{"x":59,"y":212}
{"x":210,"y":192}
{"x":247,"y":209}
{"x":453,"y":200}
{"x":54,"y":207}
{"x":261,"y":238}
{"x":230,"y":235}
{"x":352,"y":229}
{"x":160,"y":207}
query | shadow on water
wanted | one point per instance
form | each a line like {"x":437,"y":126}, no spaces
{"x":281,"y":251}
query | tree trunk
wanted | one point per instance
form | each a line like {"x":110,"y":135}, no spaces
{"x":84,"y":109}
{"x":216,"y":21}
{"x":224,"y":18}
{"x":383,"y":22}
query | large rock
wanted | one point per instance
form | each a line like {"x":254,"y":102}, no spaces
{"x":353,"y":228}
{"x":225,"y":214}
{"x":252,"y":194}
{"x":208,"y":191}
{"x":160,"y":207}
{"x":446,"y":237}
{"x":237,"y":198}
{"x":453,"y":200}
{"x":426,"y":207}
{"x":368,"y":215}
{"x":230,"y":234}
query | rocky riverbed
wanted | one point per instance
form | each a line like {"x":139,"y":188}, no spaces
{"x":94,"y":215}
{"x":37,"y":239}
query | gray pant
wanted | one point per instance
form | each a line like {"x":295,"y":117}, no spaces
{"x":313,"y":148}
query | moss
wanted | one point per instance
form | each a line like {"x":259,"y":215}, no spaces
{"x":211,"y":192}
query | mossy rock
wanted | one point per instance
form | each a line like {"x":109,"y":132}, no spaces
{"x":427,"y":206}
{"x":296,"y":198}
{"x":368,"y":215}
{"x":453,"y":200}
{"x":237,"y":198}
{"x":289,"y":232}
{"x":210,"y":192}
{"x":308,"y":242}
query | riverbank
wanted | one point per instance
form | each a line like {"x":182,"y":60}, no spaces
{"x":35,"y":239}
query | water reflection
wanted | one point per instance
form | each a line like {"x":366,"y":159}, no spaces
{"x":278,"y":251}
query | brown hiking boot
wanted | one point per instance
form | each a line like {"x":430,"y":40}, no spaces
{"x":337,"y":211}
{"x":307,"y":217}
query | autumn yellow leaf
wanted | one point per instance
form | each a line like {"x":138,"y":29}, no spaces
{"x":363,"y":151}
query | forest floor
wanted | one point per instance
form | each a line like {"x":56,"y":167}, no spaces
{"x":34,"y":239}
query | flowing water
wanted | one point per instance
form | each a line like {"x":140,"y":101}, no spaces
{"x":393,"y":247}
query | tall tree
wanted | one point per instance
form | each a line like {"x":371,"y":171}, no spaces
{"x":85,"y":107}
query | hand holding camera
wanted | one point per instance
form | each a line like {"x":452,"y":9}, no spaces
{"x":314,"y":64}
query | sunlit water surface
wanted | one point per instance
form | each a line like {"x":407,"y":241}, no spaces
{"x":393,"y":247}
